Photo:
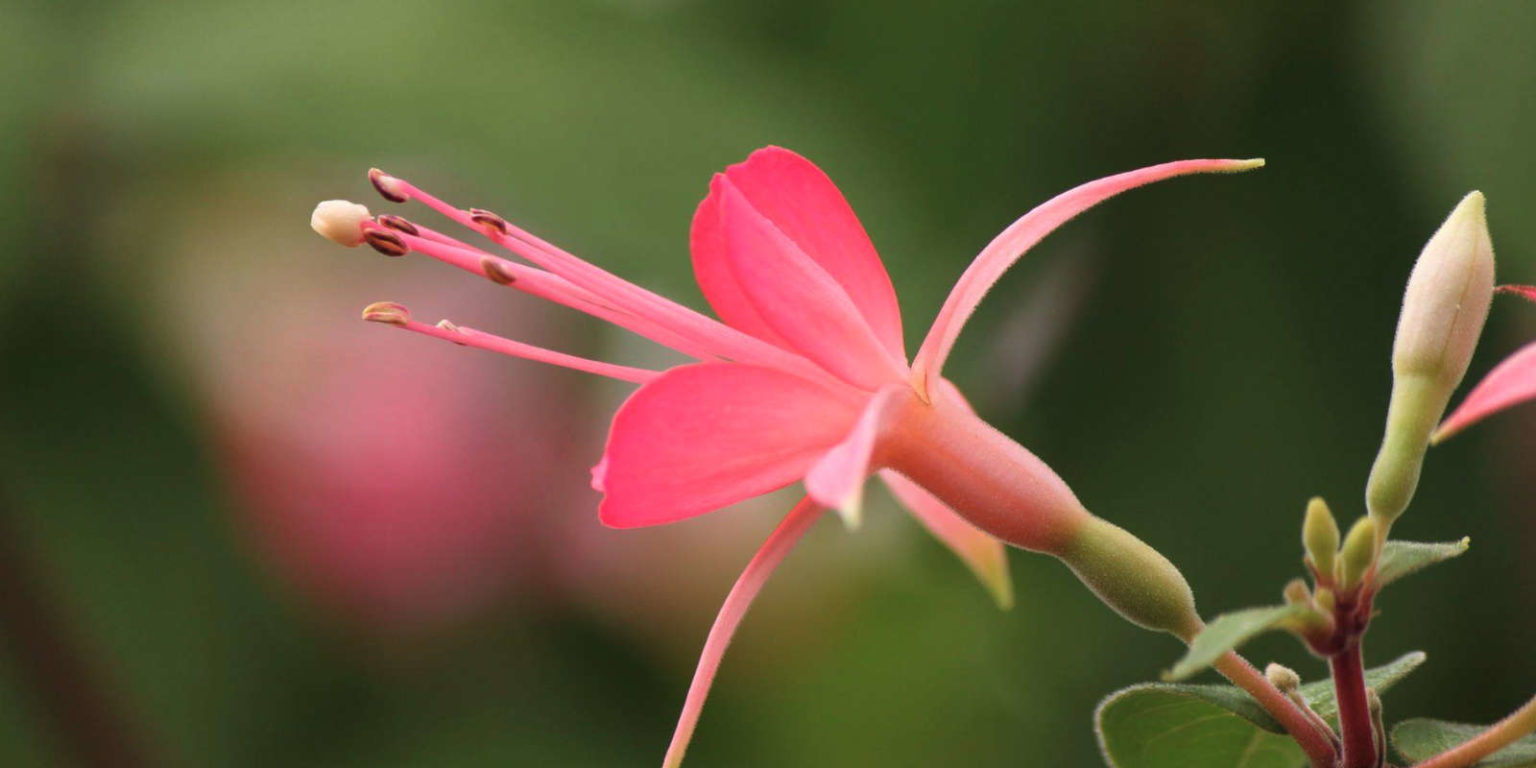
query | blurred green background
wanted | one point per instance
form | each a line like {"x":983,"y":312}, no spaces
{"x":275,"y":536}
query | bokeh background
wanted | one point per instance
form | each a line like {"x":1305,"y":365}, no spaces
{"x":263,"y":533}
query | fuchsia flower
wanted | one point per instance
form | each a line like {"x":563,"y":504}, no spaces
{"x":804,"y":378}
{"x":1509,"y":384}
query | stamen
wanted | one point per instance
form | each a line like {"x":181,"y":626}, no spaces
{"x":388,"y":186}
{"x":395,"y":314}
{"x":390,"y":312}
{"x":492,"y":222}
{"x":496,"y":272}
{"x":385,"y":241}
{"x":541,"y":284}
{"x":398,"y":223}
{"x":718,"y":339}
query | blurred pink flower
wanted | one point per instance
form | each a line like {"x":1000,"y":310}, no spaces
{"x":806,"y":379}
{"x":1510,"y":383}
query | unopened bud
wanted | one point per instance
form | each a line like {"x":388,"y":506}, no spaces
{"x":1282,"y":677}
{"x":1134,"y":579}
{"x":1296,"y":592}
{"x":389,"y":312}
{"x":1359,"y":552}
{"x":1320,"y":535}
{"x":340,"y":221}
{"x":1443,"y":312}
{"x":1325,"y":600}
{"x":389,"y":187}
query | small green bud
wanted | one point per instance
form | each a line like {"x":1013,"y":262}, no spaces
{"x":1443,"y":312}
{"x":1296,"y":592}
{"x":1282,"y":677}
{"x":1325,"y":600}
{"x":1132,"y":578}
{"x":1320,"y":535}
{"x":1359,"y":552}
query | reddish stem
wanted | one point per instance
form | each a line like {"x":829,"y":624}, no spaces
{"x":1354,"y":708}
{"x":1315,"y":742}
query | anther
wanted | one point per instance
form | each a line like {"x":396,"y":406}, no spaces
{"x":398,"y":223}
{"x":388,"y":186}
{"x":497,"y":272}
{"x":385,"y":242}
{"x":489,"y":220}
{"x":388,"y":312}
{"x":448,"y":326}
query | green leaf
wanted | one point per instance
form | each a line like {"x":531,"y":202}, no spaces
{"x":1400,"y":558}
{"x":1421,"y":738}
{"x":1227,"y":632}
{"x":1320,"y":693}
{"x":1157,"y":725}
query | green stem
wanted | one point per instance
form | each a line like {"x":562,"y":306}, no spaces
{"x":1313,"y":741}
{"x":1498,"y":736}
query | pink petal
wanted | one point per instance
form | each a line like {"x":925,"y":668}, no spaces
{"x":751,"y":581}
{"x":1527,"y":292}
{"x":704,"y":436}
{"x":808,"y":208}
{"x":760,"y":280}
{"x":984,"y":555}
{"x":1010,"y":245}
{"x":1510,"y":383}
{"x":836,"y":480}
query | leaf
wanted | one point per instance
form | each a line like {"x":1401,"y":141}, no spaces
{"x":1320,"y":693}
{"x":1228,"y":631}
{"x":1421,"y":738}
{"x":1156,"y":725}
{"x":1400,"y":558}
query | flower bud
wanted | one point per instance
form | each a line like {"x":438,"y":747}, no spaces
{"x":1134,"y":579}
{"x":1443,"y":312}
{"x":1296,"y":593}
{"x":1325,"y":601}
{"x":1359,"y":552}
{"x":1320,"y":535}
{"x":340,"y":221}
{"x":1282,"y":677}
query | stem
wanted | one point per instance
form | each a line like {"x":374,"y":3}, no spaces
{"x":1498,"y":736}
{"x":1314,"y":742}
{"x":1354,"y":708}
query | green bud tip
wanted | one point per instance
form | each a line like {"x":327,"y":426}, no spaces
{"x":1359,"y":552}
{"x":1325,"y":600}
{"x":1320,"y":536}
{"x":1132,"y":578}
{"x":1296,"y":593}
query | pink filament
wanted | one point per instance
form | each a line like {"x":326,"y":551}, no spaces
{"x":481,"y":340}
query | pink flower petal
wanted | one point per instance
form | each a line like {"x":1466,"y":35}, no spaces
{"x":986,"y":556}
{"x":1510,"y":383}
{"x":808,"y":208}
{"x":836,"y":480}
{"x":705,"y":436}
{"x":1010,"y":245}
{"x":767,"y":559}
{"x":761,"y":281}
